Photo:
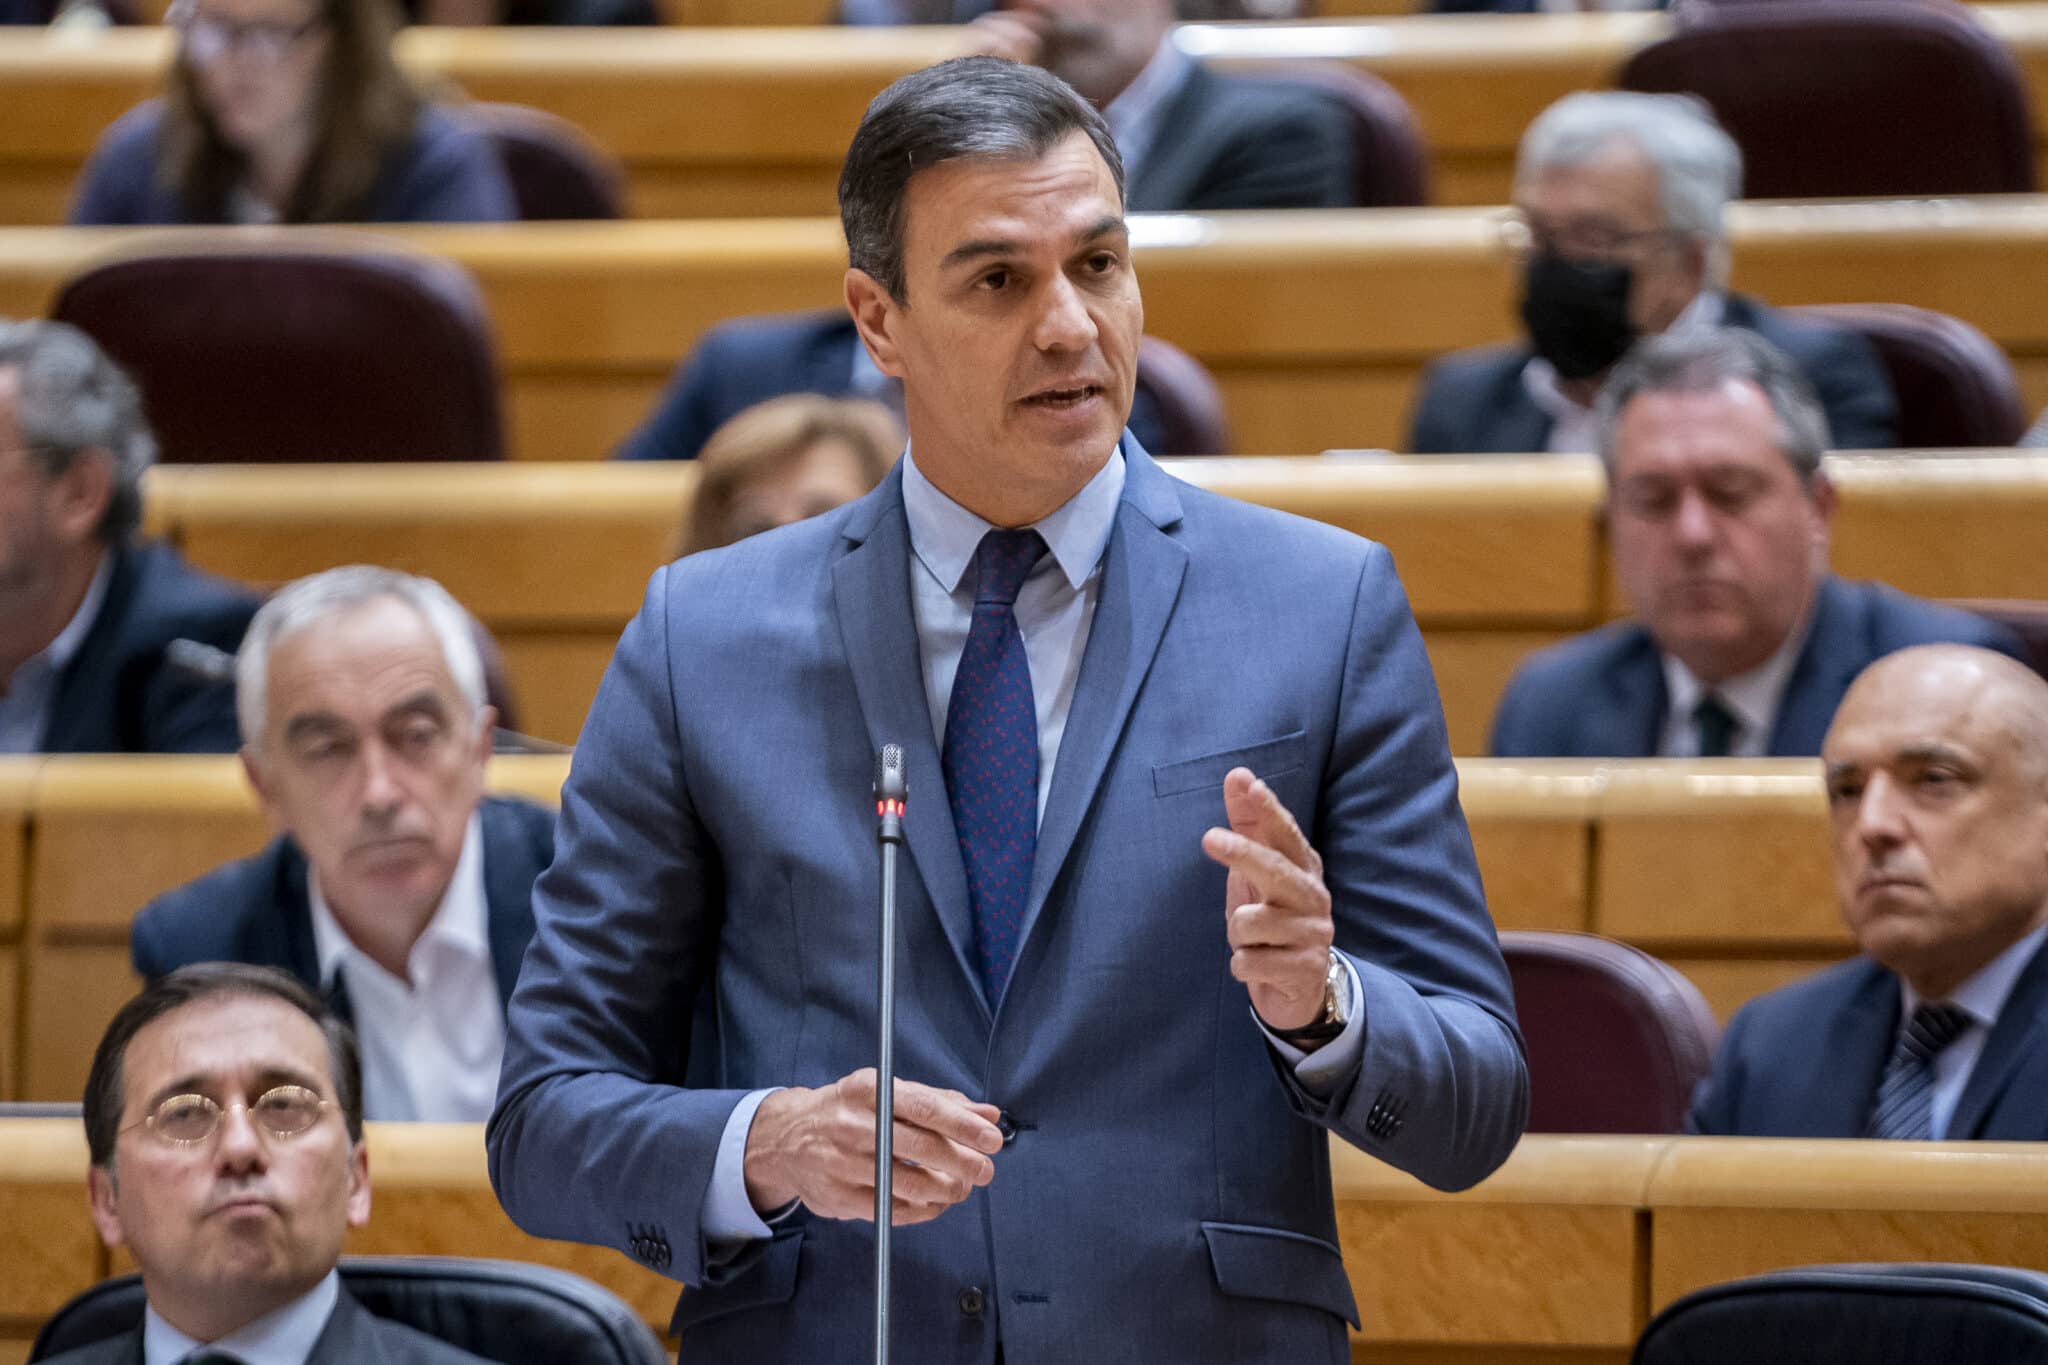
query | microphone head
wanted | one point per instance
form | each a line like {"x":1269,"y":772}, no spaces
{"x":890,"y":782}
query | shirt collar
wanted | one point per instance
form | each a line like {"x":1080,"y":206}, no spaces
{"x":1753,"y":696}
{"x":57,"y":654}
{"x":459,"y":920}
{"x":283,"y":1336}
{"x":1133,"y":116}
{"x":1546,"y":390}
{"x":1984,"y":994}
{"x":945,"y":535}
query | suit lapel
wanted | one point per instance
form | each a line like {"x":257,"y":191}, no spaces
{"x":1161,"y":183}
{"x":84,"y":713}
{"x":2015,"y":1038}
{"x":871,"y":596}
{"x":1829,"y":661}
{"x":1522,"y":426}
{"x":1842,"y":1089}
{"x":1142,"y":570}
{"x":1632,"y":721}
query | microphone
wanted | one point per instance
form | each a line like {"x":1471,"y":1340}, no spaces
{"x":892,"y":796}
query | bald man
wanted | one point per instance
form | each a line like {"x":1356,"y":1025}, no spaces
{"x":1937,"y":778}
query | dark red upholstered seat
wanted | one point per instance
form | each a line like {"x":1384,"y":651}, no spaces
{"x":556,"y":171}
{"x":1954,"y":385}
{"x":302,"y":348}
{"x":1392,"y":158}
{"x":1617,"y":1039}
{"x":1852,"y":97}
{"x":1189,"y":404}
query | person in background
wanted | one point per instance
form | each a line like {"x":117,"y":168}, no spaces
{"x":290,"y":111}
{"x":395,"y":886}
{"x":1937,"y":780}
{"x":1620,"y":229}
{"x":224,"y":1118}
{"x":784,"y":460}
{"x":1718,"y":513}
{"x":92,"y":616}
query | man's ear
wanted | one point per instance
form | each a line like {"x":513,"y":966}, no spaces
{"x":875,"y":315}
{"x":1821,"y":491}
{"x":99,"y":1193}
{"x":359,"y":1185}
{"x":259,"y":782}
{"x":82,"y":493}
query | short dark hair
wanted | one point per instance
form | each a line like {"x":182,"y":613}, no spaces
{"x":1698,"y":361}
{"x":969,"y":108}
{"x":105,"y":1085}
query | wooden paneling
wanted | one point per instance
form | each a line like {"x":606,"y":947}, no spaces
{"x":10,"y":1022}
{"x":52,"y":1251}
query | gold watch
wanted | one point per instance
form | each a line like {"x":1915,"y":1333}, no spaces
{"x":1335,"y":1013}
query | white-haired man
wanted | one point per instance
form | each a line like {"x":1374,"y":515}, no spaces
{"x":1618,"y":225}
{"x":395,"y":885}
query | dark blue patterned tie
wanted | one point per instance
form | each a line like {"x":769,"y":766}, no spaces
{"x":1716,"y":725}
{"x":1905,"y":1098}
{"x":991,"y":755}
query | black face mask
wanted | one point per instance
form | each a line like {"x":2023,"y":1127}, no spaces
{"x":1577,"y":313}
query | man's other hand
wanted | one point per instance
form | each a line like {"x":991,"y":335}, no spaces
{"x":1276,"y":908}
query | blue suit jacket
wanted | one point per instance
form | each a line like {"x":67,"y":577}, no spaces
{"x":1601,"y":694}
{"x":119,"y":694}
{"x":1473,"y":402}
{"x":447,"y":172}
{"x":1805,"y":1061}
{"x":708,"y":928}
{"x":258,"y":910}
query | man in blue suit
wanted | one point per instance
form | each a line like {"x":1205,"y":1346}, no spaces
{"x":1187,"y":886}
{"x":89,"y":613}
{"x":1937,"y":774}
{"x":1717,"y":514}
{"x":394,"y":887}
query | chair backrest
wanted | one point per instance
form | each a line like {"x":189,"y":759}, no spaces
{"x":1391,"y":157}
{"x":1955,"y":387}
{"x":500,"y":1310}
{"x":281,"y":349}
{"x":556,"y":171}
{"x":1858,"y":1315}
{"x":1616,"y":1039}
{"x":1852,"y":97}
{"x":2028,"y":620}
{"x":1184,"y":398}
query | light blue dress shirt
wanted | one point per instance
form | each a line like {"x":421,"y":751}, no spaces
{"x":1983,"y":998}
{"x":284,"y":1336}
{"x":32,"y":691}
{"x":1055,"y":609}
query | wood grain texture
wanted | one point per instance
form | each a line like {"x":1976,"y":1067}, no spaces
{"x":52,"y":1250}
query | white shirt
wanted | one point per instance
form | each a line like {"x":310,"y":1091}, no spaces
{"x":1133,"y":116}
{"x":283,"y":1336}
{"x":1983,"y":998}
{"x":1573,"y":428}
{"x":1753,"y":698}
{"x":431,"y":1048}
{"x":32,"y":691}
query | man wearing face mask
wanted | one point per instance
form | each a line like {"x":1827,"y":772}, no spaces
{"x":1619,"y":200}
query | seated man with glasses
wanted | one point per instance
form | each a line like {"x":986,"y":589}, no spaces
{"x":224,"y":1116}
{"x":1618,"y":230}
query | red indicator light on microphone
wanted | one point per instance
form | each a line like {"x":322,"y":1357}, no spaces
{"x":887,"y":807}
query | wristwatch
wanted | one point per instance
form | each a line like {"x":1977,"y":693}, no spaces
{"x":1336,"y":1010}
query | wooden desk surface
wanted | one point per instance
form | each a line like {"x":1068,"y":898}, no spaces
{"x":1316,"y":324}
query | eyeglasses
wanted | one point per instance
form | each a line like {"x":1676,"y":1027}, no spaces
{"x":283,"y":1111}
{"x":1578,"y":241}
{"x":207,"y":39}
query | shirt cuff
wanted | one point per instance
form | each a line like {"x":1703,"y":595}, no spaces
{"x":728,"y":1215}
{"x":1320,"y":1072}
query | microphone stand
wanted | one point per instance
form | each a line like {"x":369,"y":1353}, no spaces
{"x":891,"y":794}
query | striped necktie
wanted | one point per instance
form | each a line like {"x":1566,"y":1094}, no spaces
{"x":1905,"y":1097}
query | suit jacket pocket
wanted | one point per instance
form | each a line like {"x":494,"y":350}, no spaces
{"x":1273,"y":757}
{"x":755,"y":1279}
{"x":1273,"y":1263}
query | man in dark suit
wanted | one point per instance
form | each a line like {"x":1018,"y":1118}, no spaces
{"x":89,"y":613}
{"x":1619,"y":202}
{"x":1937,"y":776}
{"x":394,"y":884}
{"x":1717,"y":515}
{"x":1193,"y":140}
{"x":1141,"y":985}
{"x":225,"y":1122}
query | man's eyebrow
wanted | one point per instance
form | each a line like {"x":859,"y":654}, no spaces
{"x":1934,"y":751}
{"x":314,"y":723}
{"x":424,"y":702}
{"x":196,"y":1082}
{"x":977,"y":248}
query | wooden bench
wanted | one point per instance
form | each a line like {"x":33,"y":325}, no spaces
{"x":1316,"y":325}
{"x":722,"y":122}
{"x":17,"y":782}
{"x":1499,"y":556}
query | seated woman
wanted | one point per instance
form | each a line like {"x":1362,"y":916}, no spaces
{"x":290,"y":111}
{"x":792,"y":457}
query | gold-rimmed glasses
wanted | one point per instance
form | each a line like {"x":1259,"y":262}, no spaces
{"x":283,"y":1111}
